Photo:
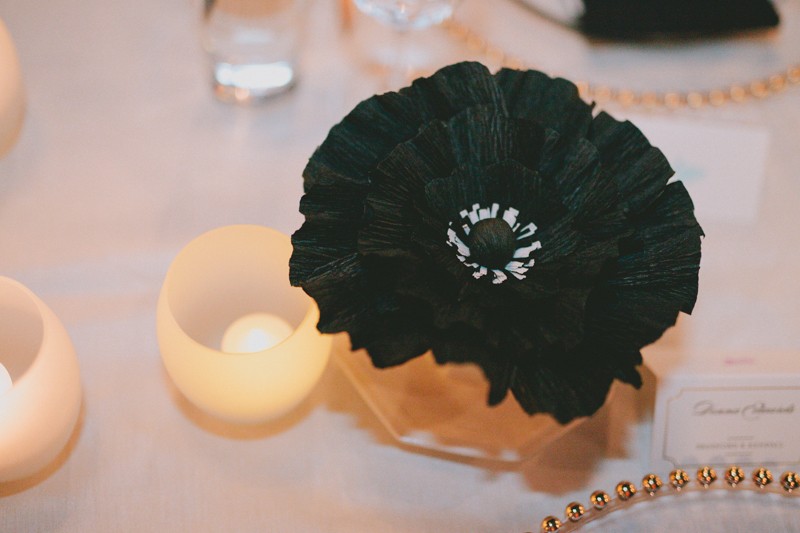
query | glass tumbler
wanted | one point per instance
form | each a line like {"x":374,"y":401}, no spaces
{"x":252,"y":47}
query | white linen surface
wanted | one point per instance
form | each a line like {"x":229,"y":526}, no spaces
{"x":125,"y":157}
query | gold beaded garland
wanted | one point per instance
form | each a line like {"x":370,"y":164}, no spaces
{"x":625,"y":490}
{"x":599,"y":499}
{"x":734,"y":475}
{"x":550,"y":524}
{"x":575,"y":511}
{"x":651,"y":484}
{"x":762,"y":477}
{"x":678,"y":479}
{"x":715,"y":97}
{"x":789,"y":481}
{"x":706,"y":476}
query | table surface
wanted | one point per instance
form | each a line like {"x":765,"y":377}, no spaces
{"x":125,"y":157}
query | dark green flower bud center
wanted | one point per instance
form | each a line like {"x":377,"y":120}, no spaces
{"x":492,"y":243}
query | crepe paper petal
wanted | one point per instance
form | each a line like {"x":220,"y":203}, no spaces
{"x":640,"y":170}
{"x":492,"y":220}
{"x":396,"y":338}
{"x":361,"y":299}
{"x":562,"y":386}
{"x":461,"y":345}
{"x":553,"y":103}
{"x":482,"y":136}
{"x":453,"y":89}
{"x":363,"y":138}
{"x":397,"y":185}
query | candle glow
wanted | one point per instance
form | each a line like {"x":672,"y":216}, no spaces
{"x":254,"y":333}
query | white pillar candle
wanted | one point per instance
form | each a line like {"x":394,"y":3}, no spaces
{"x":218,"y":288}
{"x":40,"y":407}
{"x":12,"y":100}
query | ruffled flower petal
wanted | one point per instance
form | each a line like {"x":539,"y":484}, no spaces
{"x":493,"y":220}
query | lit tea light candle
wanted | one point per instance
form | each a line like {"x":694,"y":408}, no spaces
{"x":236,"y":338}
{"x":40,"y":391}
{"x":12,"y":100}
{"x":5,"y":379}
{"x":255,"y":332}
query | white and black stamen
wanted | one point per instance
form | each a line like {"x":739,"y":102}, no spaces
{"x":488,"y":243}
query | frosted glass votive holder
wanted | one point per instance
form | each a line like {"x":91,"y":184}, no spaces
{"x":12,"y":98}
{"x":225,"y":280}
{"x":40,"y":390}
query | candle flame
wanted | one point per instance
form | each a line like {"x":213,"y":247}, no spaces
{"x":255,"y":333}
{"x":256,"y":340}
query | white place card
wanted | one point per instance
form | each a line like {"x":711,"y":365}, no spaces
{"x":732,"y":425}
{"x":722,"y":164}
{"x":725,"y":408}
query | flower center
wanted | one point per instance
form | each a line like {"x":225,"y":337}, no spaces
{"x":492,"y":243}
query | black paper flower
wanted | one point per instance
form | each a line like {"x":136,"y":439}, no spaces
{"x":492,"y":219}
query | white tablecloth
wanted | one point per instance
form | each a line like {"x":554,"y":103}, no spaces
{"x":125,"y":157}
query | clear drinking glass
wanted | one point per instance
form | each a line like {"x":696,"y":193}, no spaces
{"x":252,"y":47}
{"x":408,"y":14}
{"x":405,"y":17}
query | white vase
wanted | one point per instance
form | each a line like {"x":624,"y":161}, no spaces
{"x":12,"y":99}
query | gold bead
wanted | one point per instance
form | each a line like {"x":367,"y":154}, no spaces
{"x":495,"y":54}
{"x":627,"y":98}
{"x":673,"y":100}
{"x":678,"y":479}
{"x":514,"y":63}
{"x":734,"y":475}
{"x":456,"y":30}
{"x":599,"y":500}
{"x":602,"y":93}
{"x":762,"y":477}
{"x":651,"y":484}
{"x":777,"y":83}
{"x":626,"y":490}
{"x":706,"y":476}
{"x":476,"y":43}
{"x":793,"y":74}
{"x":650,"y":99}
{"x":575,"y":511}
{"x":695,"y":100}
{"x":759,"y":89}
{"x":717,"y":98}
{"x":738,"y":93}
{"x":583,"y":89}
{"x":790,"y":481}
{"x":551,"y":523}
